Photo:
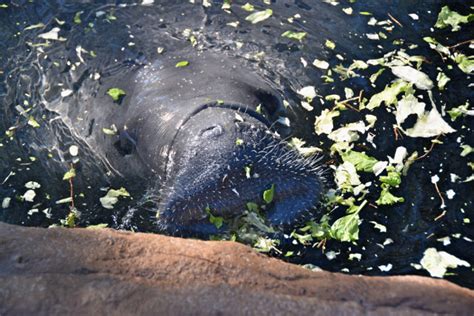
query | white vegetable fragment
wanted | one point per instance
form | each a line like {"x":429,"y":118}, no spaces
{"x":346,"y":175}
{"x":29,"y":196}
{"x":52,"y":35}
{"x":348,"y":133}
{"x":414,"y":16}
{"x":6,"y":202}
{"x":450,"y":194}
{"x":357,"y":256}
{"x":385,"y":268}
{"x":331,"y":254}
{"x":430,"y":124}
{"x":408,"y":105}
{"x":32,"y":185}
{"x":321,"y":64}
{"x":111,"y":198}
{"x":73,"y":150}
{"x":435,"y":179}
{"x":437,"y":263}
{"x":412,"y":75}
{"x":380,"y":227}
{"x":308,"y":92}
{"x":324,"y":122}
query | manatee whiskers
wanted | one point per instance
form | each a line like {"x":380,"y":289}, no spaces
{"x":270,"y":162}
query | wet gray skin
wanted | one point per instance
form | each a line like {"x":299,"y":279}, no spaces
{"x":197,"y":131}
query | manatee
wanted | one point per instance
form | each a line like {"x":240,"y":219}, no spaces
{"x":208,"y":139}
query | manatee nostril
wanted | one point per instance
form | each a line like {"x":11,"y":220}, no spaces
{"x":212,"y":131}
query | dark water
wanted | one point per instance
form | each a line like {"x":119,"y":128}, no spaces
{"x":124,"y":37}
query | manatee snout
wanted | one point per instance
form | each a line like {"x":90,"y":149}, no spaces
{"x":225,"y":157}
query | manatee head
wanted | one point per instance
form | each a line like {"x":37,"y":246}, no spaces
{"x":224,"y":157}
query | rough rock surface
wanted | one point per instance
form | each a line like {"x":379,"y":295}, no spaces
{"x":97,"y":272}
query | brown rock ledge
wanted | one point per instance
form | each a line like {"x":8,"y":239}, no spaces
{"x":106,"y":272}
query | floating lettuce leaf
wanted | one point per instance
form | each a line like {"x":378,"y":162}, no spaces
{"x":268,"y":194}
{"x":259,"y":16}
{"x":299,"y":145}
{"x":393,"y":178}
{"x":294,"y":35}
{"x":361,"y":161}
{"x":215,"y":220}
{"x":437,"y":262}
{"x":70,"y":174}
{"x":408,"y":105}
{"x":461,"y":110}
{"x":346,"y":176}
{"x":429,"y":124}
{"x":265,"y":244}
{"x":32,"y":122}
{"x":446,"y":18}
{"x":412,"y":75}
{"x":321,"y":64}
{"x":116,"y":93}
{"x":387,"y":198}
{"x":183,"y":63}
{"x":466,"y":150}
{"x":308,"y":92}
{"x":465,"y":63}
{"x":348,"y":133}
{"x":346,"y":228}
{"x":248,"y":7}
{"x":442,"y":80}
{"x":389,"y":94}
{"x":330,"y":44}
{"x":324,"y":122}
{"x":111,"y":198}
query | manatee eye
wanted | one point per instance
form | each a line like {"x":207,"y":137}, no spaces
{"x":211,"y":131}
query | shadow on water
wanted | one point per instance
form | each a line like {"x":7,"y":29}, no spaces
{"x":102,"y":44}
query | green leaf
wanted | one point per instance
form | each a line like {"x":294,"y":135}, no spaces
{"x":269,"y":194}
{"x":259,"y":16}
{"x":393,"y":178}
{"x":77,"y":17}
{"x":442,"y":80}
{"x":465,"y":63}
{"x":265,"y":244}
{"x":466,"y":150}
{"x":70,"y":174}
{"x":346,"y":228}
{"x":330,"y":44}
{"x":215,"y":220}
{"x":248,"y":7}
{"x":303,"y":239}
{"x":463,"y":110}
{"x":361,"y":161}
{"x":294,"y":35}
{"x":111,"y":198}
{"x":387,"y":198}
{"x":116,"y":93}
{"x":389,"y":94}
{"x":299,"y":145}
{"x":183,"y":63}
{"x":412,"y":75}
{"x":446,"y":18}
{"x":32,"y":122}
